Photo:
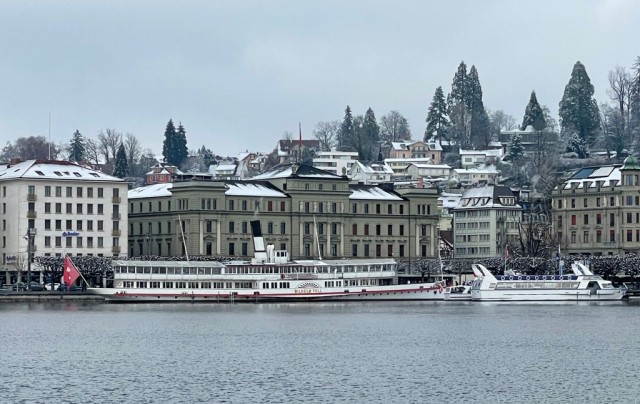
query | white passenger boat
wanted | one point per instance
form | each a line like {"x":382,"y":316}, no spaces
{"x":582,"y":285}
{"x":269,"y":276}
{"x":459,"y":292}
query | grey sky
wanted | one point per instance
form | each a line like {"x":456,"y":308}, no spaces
{"x":238,"y":74}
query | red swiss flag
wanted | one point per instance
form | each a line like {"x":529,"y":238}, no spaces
{"x":69,"y":272}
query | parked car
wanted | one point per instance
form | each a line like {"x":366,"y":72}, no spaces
{"x":36,"y":287}
{"x":19,"y":286}
{"x":65,"y":288}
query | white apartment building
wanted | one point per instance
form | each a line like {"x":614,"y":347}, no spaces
{"x":370,"y":173}
{"x":72,"y":209}
{"x":485,"y":220}
{"x":335,"y":162}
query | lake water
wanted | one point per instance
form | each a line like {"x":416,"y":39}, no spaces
{"x":378,"y":352}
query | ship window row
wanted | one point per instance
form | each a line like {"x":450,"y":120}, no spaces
{"x":167,"y":271}
{"x":188,"y":285}
{"x":276,"y":285}
{"x":537,"y":285}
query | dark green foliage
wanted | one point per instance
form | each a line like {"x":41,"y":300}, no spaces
{"x":579,"y":113}
{"x":368,"y":148}
{"x":346,"y":135}
{"x":205,"y":157}
{"x":480,"y":131}
{"x":533,"y":114}
{"x":516,"y":150}
{"x":77,"y":147}
{"x":458,"y":108}
{"x":174,"y":147}
{"x":121,"y":167}
{"x":167,"y":145}
{"x":578,"y":145}
{"x":437,"y":117}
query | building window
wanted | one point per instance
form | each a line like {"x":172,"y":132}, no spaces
{"x":334,"y":229}
{"x":612,"y":201}
{"x":68,"y":242}
{"x":58,"y":242}
{"x":377,"y":208}
{"x":282,"y":206}
{"x":402,"y":230}
{"x":232,"y":249}
{"x":69,"y":192}
{"x":585,"y":202}
{"x":559,"y":221}
{"x":390,"y":250}
{"x":390,"y":230}
{"x":232,"y":227}
{"x":354,"y":229}
{"x":100,"y":225}
{"x":366,"y":208}
{"x":354,"y":208}
{"x":270,"y":228}
{"x":389,"y":209}
{"x":354,"y":250}
{"x":598,"y":236}
{"x":366,"y":229}
{"x":586,"y":220}
{"x":366,"y":250}
{"x":612,"y":219}
{"x":307,"y":228}
{"x":245,"y":228}
{"x":378,"y":230}
{"x":573,"y":220}
{"x":598,"y":218}
{"x":402,"y":250}
{"x":378,"y":250}
{"x":629,"y":235}
{"x":244,"y":249}
{"x":283,"y":228}
{"x":47,"y":190}
{"x":612,"y":236}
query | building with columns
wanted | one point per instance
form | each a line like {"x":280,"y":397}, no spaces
{"x":596,"y":211}
{"x":307,"y":211}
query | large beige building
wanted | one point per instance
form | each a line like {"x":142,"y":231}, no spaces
{"x":305,"y":210}
{"x":70,"y":209}
{"x":596,"y":211}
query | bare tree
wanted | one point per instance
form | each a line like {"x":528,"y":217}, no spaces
{"x":92,"y":152}
{"x":619,"y":91}
{"x":133,"y":150}
{"x":32,"y":147}
{"x":108,"y":142}
{"x":394,"y":127}
{"x":326,"y":132}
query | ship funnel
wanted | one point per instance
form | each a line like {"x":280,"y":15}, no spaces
{"x":259,"y":250}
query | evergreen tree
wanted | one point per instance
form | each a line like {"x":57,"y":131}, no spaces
{"x":77,"y":147}
{"x":205,"y":158}
{"x":533,"y":114}
{"x":346,"y":135}
{"x":458,"y":107}
{"x":516,"y":150}
{"x":437,"y":117}
{"x":169,"y":142}
{"x":480,"y":131}
{"x":121,"y":168}
{"x":578,"y":145}
{"x":181,"y":145}
{"x":371,"y":136}
{"x":579,"y":113}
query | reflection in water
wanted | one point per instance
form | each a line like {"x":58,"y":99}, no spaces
{"x":320,"y":352}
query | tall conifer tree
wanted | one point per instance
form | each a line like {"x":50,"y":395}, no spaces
{"x":121,"y":168}
{"x":437,"y":118}
{"x":533,"y":115}
{"x":168,"y":143}
{"x":77,"y":147}
{"x":346,"y":135}
{"x":578,"y":112}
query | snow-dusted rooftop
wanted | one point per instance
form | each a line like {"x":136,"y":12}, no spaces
{"x":373,"y":193}
{"x":589,"y":175}
{"x":488,"y":197}
{"x":477,"y":170}
{"x":253,"y":189}
{"x":302,"y":171}
{"x":150,"y":191}
{"x":53,"y":170}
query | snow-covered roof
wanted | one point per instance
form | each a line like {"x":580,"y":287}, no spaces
{"x":53,"y":170}
{"x":487,"y":153}
{"x":373,"y":193}
{"x":448,"y":200}
{"x":151,"y":191}
{"x":292,"y":170}
{"x":408,"y":160}
{"x":589,"y":175}
{"x":253,"y":189}
{"x":374,"y":168}
{"x":488,"y":197}
{"x":477,"y":170}
{"x":436,"y":166}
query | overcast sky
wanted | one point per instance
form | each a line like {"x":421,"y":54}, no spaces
{"x":238,"y":74}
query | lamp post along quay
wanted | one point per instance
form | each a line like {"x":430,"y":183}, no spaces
{"x":31,"y":232}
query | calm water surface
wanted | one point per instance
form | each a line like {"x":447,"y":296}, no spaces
{"x":320,"y":352}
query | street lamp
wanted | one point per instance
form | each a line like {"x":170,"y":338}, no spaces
{"x":31,"y":232}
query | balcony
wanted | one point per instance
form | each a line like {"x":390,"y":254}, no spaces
{"x":115,"y":216}
{"x":116,"y":232}
{"x":115,"y":199}
{"x":115,"y":249}
{"x":31,"y":214}
{"x":32,"y":197}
